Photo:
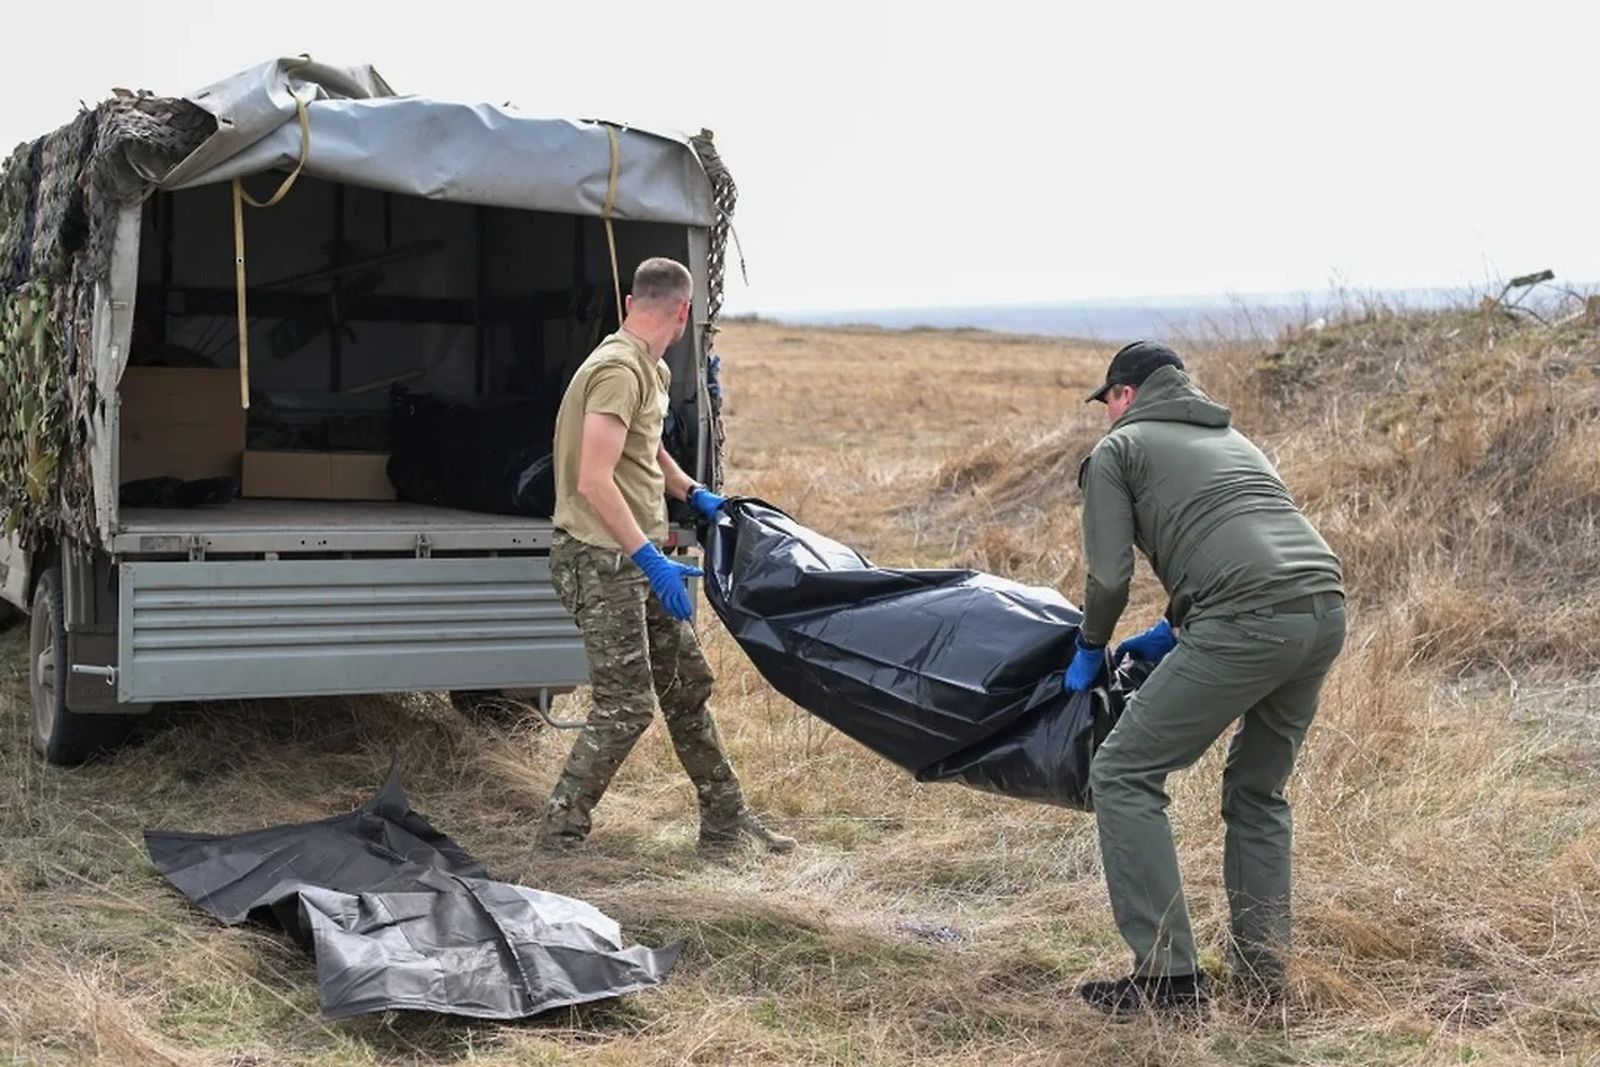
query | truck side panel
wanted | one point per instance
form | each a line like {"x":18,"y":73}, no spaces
{"x":113,"y":330}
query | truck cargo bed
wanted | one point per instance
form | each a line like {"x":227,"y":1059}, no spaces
{"x":317,"y":526}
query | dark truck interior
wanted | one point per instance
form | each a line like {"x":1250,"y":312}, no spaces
{"x":405,"y":355}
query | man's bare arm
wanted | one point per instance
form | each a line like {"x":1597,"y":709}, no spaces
{"x":604,"y":436}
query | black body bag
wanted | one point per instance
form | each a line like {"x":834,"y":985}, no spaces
{"x":955,"y":675}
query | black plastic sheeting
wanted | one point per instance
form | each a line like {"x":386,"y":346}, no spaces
{"x":477,"y":456}
{"x":399,"y":916}
{"x":955,"y":675}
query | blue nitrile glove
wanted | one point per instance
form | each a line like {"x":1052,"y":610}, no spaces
{"x":707,"y":503}
{"x":666,"y":579}
{"x":1087,"y":663}
{"x":1150,"y":645}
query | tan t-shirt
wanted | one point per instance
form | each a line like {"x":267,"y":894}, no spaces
{"x":619,"y":378}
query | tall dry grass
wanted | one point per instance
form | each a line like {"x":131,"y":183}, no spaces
{"x":1448,"y":838}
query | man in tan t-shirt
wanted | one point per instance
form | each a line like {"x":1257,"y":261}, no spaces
{"x":630,"y":600}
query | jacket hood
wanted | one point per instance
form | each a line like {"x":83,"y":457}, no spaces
{"x":1169,"y":396}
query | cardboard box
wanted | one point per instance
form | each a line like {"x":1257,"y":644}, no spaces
{"x":180,"y":422}
{"x":317,"y":475}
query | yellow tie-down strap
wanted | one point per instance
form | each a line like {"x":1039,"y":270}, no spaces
{"x":240,"y":199}
{"x":611,"y":203}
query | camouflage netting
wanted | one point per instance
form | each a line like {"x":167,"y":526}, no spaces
{"x":725,"y":195}
{"x":59,"y":200}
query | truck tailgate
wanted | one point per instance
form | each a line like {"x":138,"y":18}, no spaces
{"x":208,"y":630}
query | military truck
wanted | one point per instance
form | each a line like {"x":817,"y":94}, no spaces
{"x":278,"y":366}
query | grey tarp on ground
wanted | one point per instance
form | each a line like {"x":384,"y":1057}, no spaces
{"x":363,"y":134}
{"x":401,"y":917}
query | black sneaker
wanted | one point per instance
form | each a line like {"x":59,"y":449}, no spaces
{"x":1255,"y":994}
{"x":1179,"y":994}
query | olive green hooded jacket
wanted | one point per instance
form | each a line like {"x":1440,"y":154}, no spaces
{"x":1175,"y":480}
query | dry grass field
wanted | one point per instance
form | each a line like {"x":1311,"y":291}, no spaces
{"x":1448,"y":836}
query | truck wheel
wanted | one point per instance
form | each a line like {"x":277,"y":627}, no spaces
{"x":60,"y":735}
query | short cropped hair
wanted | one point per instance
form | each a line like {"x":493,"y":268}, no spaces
{"x":664,"y":280}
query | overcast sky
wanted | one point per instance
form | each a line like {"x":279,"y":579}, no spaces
{"x":888,"y":155}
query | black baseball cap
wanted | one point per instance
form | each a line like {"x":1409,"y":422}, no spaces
{"x":1133,"y":364}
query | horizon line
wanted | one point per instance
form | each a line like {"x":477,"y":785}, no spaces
{"x":1223,"y":299}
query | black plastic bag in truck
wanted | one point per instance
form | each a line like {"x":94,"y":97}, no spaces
{"x":490,"y":456}
{"x":954,"y":675}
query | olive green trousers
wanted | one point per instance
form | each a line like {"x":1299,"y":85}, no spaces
{"x":1263,"y":670}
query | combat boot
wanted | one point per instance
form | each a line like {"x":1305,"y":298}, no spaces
{"x":556,"y":836}
{"x":720,"y":839}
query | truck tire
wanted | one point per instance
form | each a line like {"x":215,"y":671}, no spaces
{"x":61,"y":736}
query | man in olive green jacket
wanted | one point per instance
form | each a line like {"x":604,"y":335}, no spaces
{"x":1255,"y":619}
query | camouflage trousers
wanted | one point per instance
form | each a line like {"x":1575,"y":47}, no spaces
{"x":639,"y":658}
